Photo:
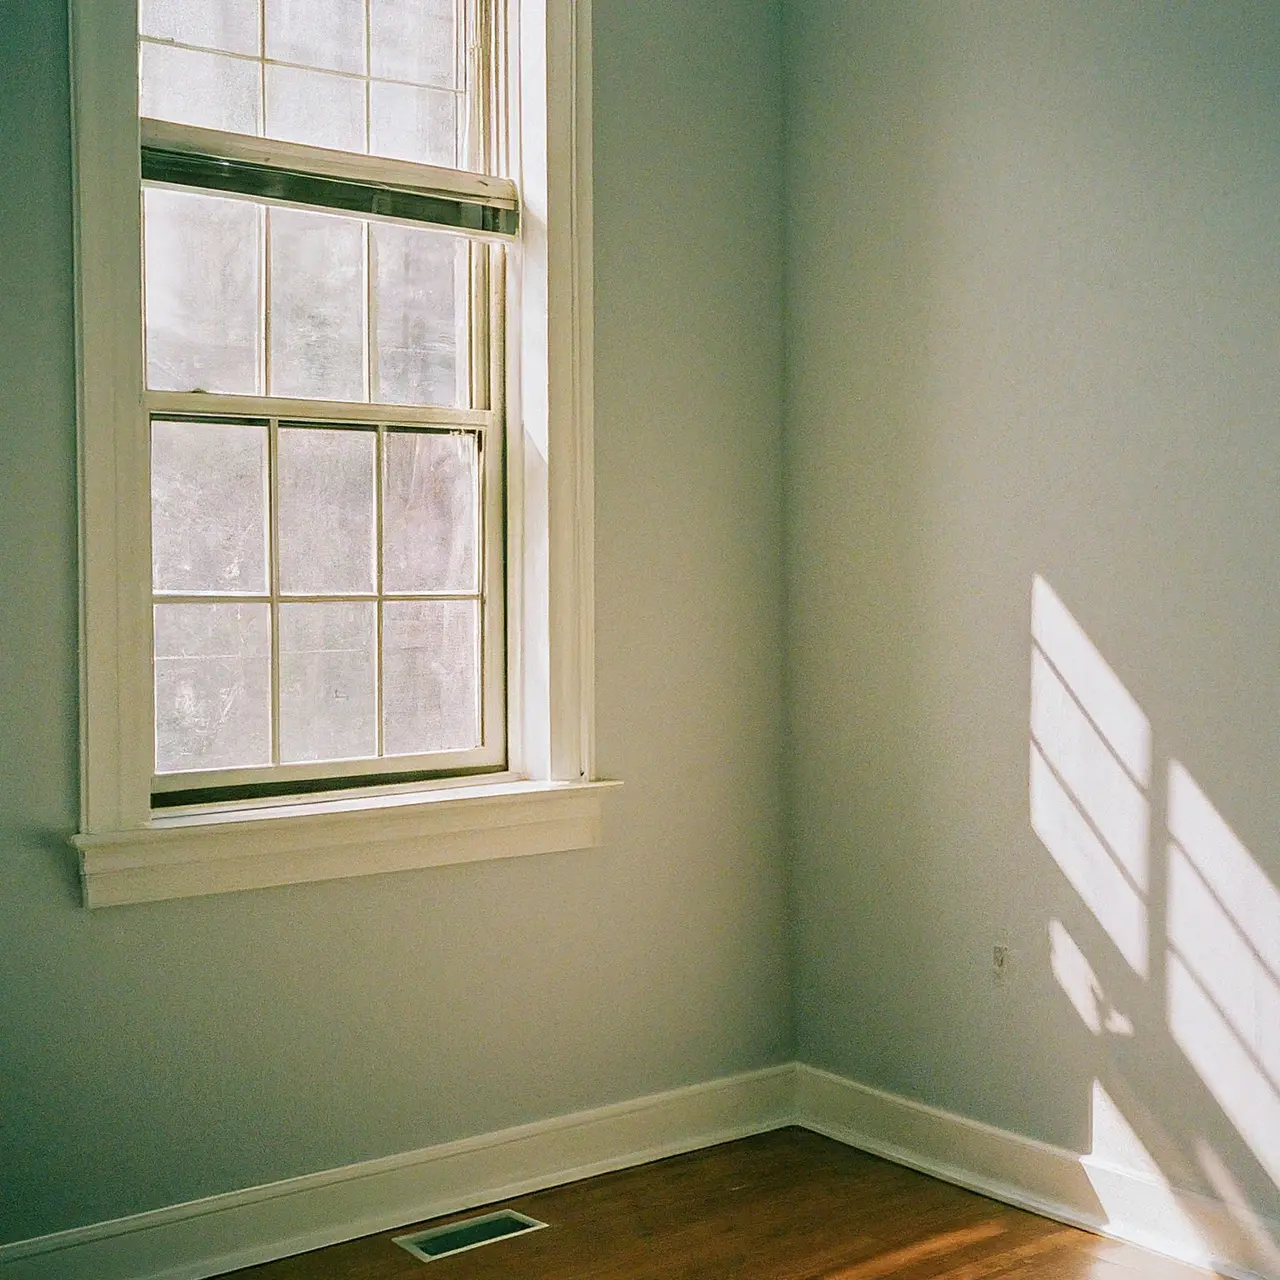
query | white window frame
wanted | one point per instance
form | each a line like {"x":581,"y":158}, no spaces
{"x":549,"y":799}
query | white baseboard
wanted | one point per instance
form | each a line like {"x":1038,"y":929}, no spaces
{"x":1048,"y":1180}
{"x":209,"y":1237}
{"x":239,"y":1229}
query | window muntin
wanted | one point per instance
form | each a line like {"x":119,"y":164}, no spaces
{"x":327,"y":585}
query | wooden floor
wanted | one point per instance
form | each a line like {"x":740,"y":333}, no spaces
{"x":788,"y":1205}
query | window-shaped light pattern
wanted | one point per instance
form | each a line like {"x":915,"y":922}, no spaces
{"x":382,"y":77}
{"x":316,"y":590}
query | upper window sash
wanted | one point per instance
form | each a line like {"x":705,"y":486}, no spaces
{"x":411,"y":80}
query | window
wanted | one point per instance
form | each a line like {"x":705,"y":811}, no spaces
{"x":323,"y":389}
{"x":333,"y":285}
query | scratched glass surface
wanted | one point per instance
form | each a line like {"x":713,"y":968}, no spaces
{"x":212,"y":686}
{"x":431,"y":675}
{"x":318,"y":108}
{"x":327,"y":485}
{"x":230,"y":25}
{"x":208,"y":508}
{"x":203,"y":322}
{"x":193,"y":86}
{"x":414,"y":41}
{"x":409,"y":122}
{"x":317,"y":306}
{"x":328,"y":681}
{"x":327,"y":34}
{"x":431,"y":507}
{"x":420,"y":339}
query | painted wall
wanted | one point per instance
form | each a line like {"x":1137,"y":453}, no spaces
{"x":1033,"y":305}
{"x":149,"y":1055}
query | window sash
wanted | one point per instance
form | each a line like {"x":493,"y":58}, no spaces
{"x":490,"y":755}
{"x":479,"y":80}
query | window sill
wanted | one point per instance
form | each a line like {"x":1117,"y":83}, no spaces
{"x":185,"y":856}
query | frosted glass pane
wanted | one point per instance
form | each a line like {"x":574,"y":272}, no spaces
{"x":206,"y":89}
{"x":409,"y":123}
{"x":317,"y":33}
{"x":208,"y":507}
{"x":230,"y":25}
{"x":326,"y":514}
{"x":431,"y":676}
{"x":430,"y":495}
{"x":317,"y":306}
{"x":202,"y":278}
{"x":213,"y":686}
{"x":420,"y":287}
{"x":315,"y":107}
{"x":328,"y":696}
{"x":414,"y":40}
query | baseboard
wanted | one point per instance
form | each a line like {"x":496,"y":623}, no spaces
{"x":1045,"y":1179}
{"x":221,"y":1233}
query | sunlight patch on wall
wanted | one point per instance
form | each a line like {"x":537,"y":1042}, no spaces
{"x":1088,"y":866}
{"x":1144,"y":1204}
{"x":1229,"y":894}
{"x":1077,"y":979}
{"x":1232,"y":1195}
{"x":1099,"y":690}
{"x":1207,"y":941}
{"x":1090,"y":765}
{"x":1225,"y":1065}
{"x":1223,"y":985}
{"x":1090,"y":770}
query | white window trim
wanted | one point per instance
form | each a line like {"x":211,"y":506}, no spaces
{"x":550,"y":800}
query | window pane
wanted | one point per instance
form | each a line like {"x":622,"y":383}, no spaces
{"x":415,"y":40}
{"x":431,"y":675}
{"x":316,"y":107}
{"x":202,"y":280}
{"x":208,"y":507}
{"x":230,"y":25}
{"x":206,"y":89}
{"x":420,"y":292}
{"x":409,"y":123}
{"x":317,"y":306}
{"x":431,"y":504}
{"x":317,"y":33}
{"x":213,"y":686}
{"x":327,"y":482}
{"x":328,"y":694}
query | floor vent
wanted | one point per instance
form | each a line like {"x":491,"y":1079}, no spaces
{"x":470,"y":1233}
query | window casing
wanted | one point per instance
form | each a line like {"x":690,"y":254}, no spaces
{"x":152,"y":832}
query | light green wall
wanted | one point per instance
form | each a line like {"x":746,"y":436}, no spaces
{"x":1033,"y":308}
{"x":149,"y":1055}
{"x":1031,"y":313}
